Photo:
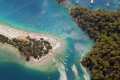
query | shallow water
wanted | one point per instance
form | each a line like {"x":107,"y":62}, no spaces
{"x":46,"y":16}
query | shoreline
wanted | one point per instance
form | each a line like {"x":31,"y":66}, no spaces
{"x":94,"y":29}
{"x":14,"y":33}
{"x":18,"y":58}
{"x":69,"y":6}
{"x":61,"y":2}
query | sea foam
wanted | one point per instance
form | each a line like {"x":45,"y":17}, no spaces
{"x":86,"y":75}
{"x":74,"y":69}
{"x":62,"y":72}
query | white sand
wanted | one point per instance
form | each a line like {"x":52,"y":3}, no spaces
{"x":14,"y":33}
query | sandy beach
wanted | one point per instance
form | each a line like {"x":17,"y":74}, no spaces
{"x":14,"y":33}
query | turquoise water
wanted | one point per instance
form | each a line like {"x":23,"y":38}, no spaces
{"x":46,"y":16}
{"x":113,"y":4}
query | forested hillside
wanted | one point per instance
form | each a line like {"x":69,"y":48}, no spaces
{"x":103,"y":27}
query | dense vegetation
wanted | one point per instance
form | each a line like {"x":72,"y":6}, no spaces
{"x":104,"y":28}
{"x":34,"y":48}
{"x":3,"y":39}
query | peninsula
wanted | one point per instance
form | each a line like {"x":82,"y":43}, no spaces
{"x":103,"y":27}
{"x":30,"y":45}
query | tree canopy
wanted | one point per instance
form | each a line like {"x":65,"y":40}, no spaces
{"x":103,"y":27}
{"x":31,"y":47}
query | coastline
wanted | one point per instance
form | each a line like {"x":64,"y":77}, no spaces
{"x":14,"y":33}
{"x":61,"y":2}
{"x":69,"y":6}
{"x":12,"y":54}
{"x":98,"y":59}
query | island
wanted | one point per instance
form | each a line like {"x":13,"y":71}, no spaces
{"x":31,"y":46}
{"x":103,"y":27}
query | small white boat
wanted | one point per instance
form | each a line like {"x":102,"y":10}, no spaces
{"x":66,"y":56}
{"x":77,"y":1}
{"x":91,"y":1}
{"x":61,"y":60}
{"x":107,"y":4}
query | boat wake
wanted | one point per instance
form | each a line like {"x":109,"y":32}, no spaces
{"x":86,"y":75}
{"x":75,"y":71}
{"x":61,"y":69}
{"x":62,"y":72}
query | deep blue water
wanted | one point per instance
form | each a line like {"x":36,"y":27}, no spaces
{"x":47,"y":16}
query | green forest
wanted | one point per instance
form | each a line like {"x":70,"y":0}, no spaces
{"x":34,"y":48}
{"x":103,"y":27}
